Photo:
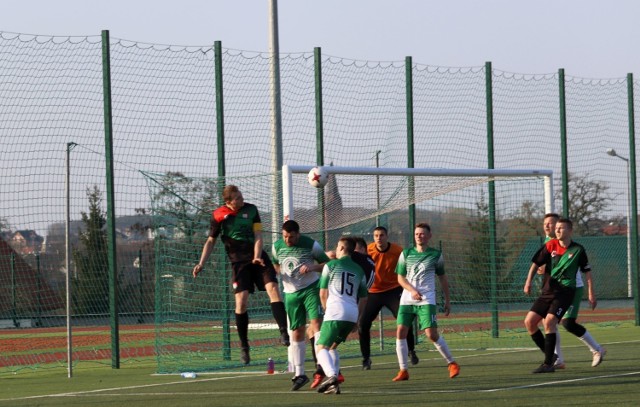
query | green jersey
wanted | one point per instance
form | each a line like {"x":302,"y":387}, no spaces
{"x":420,"y":269}
{"x":291,"y":258}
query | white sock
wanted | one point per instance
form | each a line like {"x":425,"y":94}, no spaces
{"x":558,"y":348}
{"x":588,"y":340}
{"x":402,"y":350}
{"x":443,"y":348}
{"x":335,"y":358}
{"x":324,"y":358}
{"x":297,"y":350}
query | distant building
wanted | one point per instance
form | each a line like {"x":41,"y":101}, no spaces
{"x":26,"y":241}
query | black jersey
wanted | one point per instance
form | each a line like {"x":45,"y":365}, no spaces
{"x":237,"y":230}
{"x":368,"y":265}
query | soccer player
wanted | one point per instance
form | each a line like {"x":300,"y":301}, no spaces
{"x":549,"y":227}
{"x":240,"y":229}
{"x":417,"y":270}
{"x":341,"y":284}
{"x":565,"y":259}
{"x":299,"y":259}
{"x":384,"y":292}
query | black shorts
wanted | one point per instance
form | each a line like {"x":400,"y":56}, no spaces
{"x":248,"y":276}
{"x":555,"y":299}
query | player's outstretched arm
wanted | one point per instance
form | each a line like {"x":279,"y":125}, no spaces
{"x":527,"y":283}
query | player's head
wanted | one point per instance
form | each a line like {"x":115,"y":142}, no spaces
{"x":422,"y":234}
{"x":290,"y":232}
{"x":564,"y":228}
{"x":380,"y":237}
{"x":232,"y":197}
{"x":361,"y":244}
{"x":549,"y":224}
{"x":345,"y":247}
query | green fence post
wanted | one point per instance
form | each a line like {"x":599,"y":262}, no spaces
{"x":563,"y":144}
{"x":14,"y":312}
{"x":408,"y":67}
{"x":140,"y":288}
{"x":226,"y":319}
{"x":39,"y":289}
{"x":633,"y":198}
{"x":317,"y":63}
{"x":493,"y":268}
{"x":111,"y":215}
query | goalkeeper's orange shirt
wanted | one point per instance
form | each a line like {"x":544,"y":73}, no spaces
{"x":385,"y":277}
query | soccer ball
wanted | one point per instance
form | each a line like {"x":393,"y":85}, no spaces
{"x":318,"y":177}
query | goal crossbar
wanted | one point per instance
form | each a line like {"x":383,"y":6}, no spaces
{"x":289,"y":170}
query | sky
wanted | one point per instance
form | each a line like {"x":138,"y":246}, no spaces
{"x":588,"y":38}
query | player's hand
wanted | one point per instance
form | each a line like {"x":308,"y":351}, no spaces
{"x":593,"y":302}
{"x":542,"y":269}
{"x":447,"y":309}
{"x":527,"y":288}
{"x":303,"y":269}
{"x":258,"y":260}
{"x":197,"y":269}
{"x":416,"y":295}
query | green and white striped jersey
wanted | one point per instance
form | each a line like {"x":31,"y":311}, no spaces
{"x":420,"y":269}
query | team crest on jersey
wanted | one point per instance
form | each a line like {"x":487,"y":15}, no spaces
{"x":570,"y":255}
{"x":245,"y":215}
{"x":554,"y":254}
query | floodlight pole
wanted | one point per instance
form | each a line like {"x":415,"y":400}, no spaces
{"x":276,"y":113}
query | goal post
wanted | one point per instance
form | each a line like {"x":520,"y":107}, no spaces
{"x":487,"y":241}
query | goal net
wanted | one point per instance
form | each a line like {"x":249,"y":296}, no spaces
{"x":487,"y":253}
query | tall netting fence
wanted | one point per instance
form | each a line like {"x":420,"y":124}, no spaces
{"x":165,"y":122}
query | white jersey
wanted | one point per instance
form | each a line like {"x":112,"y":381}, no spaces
{"x":346,"y":282}
{"x":291,"y":258}
{"x":420,"y":269}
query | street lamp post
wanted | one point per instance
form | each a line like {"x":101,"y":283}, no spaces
{"x":613,"y":153}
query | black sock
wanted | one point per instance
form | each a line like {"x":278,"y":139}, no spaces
{"x":280,"y":315}
{"x":242,"y":324}
{"x":313,"y":350}
{"x":538,"y":339}
{"x":549,"y":348}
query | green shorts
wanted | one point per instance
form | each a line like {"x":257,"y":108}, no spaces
{"x":334,"y":332}
{"x":573,"y":310}
{"x":301,"y":303}
{"x":426,"y":315}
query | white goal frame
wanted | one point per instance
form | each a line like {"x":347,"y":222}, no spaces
{"x":289,"y":170}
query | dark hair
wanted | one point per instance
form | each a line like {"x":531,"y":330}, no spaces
{"x":552,"y":215}
{"x":358,"y":240}
{"x":381,"y":229}
{"x":423,"y":225}
{"x":349,"y":244}
{"x":567,"y":221}
{"x":291,"y":226}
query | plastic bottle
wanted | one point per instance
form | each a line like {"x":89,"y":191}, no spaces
{"x":189,"y":375}
{"x":271,"y":366}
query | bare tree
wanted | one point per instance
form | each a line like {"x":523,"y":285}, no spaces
{"x":588,"y":199}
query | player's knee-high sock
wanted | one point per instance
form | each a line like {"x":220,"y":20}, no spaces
{"x":335,"y":358}
{"x":280,"y":315}
{"x":549,"y":348}
{"x":325,"y":360}
{"x":443,"y":348}
{"x":313,"y":351}
{"x":312,"y":340}
{"x":242,"y":324}
{"x":558,"y":349}
{"x":538,"y":339}
{"x":588,"y":340}
{"x":402,"y":350}
{"x":297,"y":350}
